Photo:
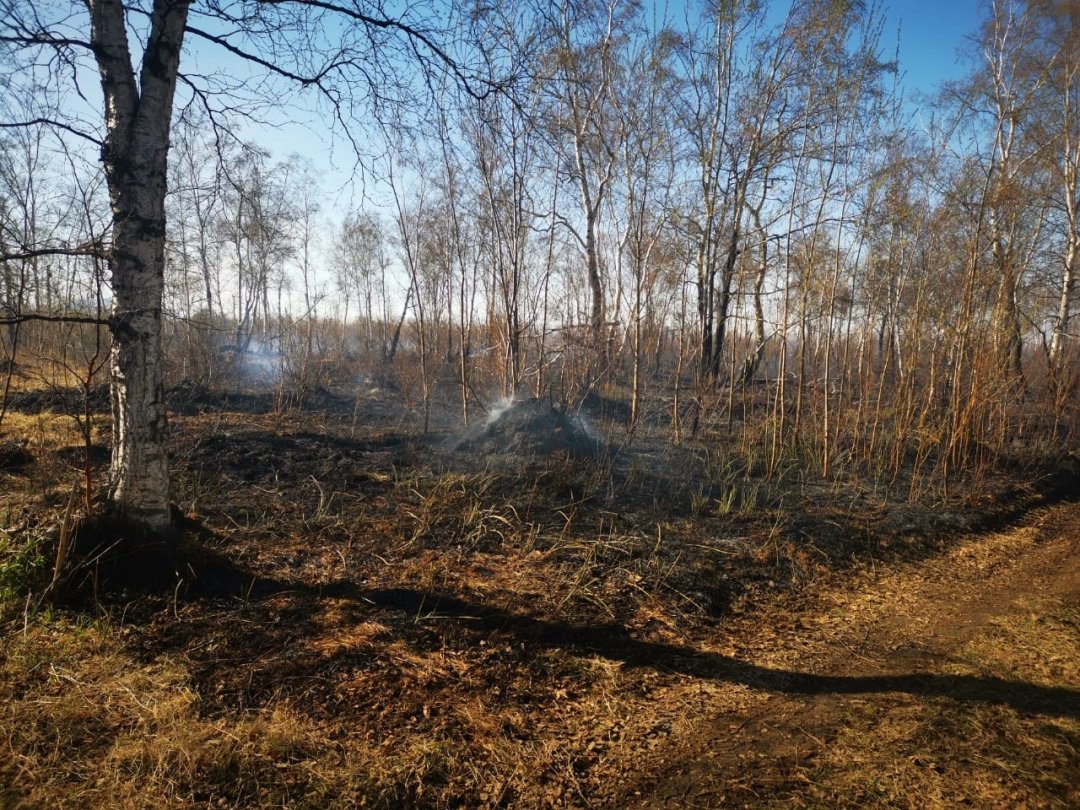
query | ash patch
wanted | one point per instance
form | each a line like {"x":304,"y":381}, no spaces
{"x":75,"y":455}
{"x":267,"y":457}
{"x":191,"y":399}
{"x":14,"y":457}
{"x":61,"y":400}
{"x":532,"y":428}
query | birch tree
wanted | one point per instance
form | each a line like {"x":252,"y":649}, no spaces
{"x":1058,"y":125}
{"x":585,"y":126}
{"x":356,"y":61}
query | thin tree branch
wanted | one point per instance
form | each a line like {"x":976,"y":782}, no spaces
{"x":415,"y":35}
{"x":92,"y":249}
{"x":51,"y":123}
{"x":84,"y":319}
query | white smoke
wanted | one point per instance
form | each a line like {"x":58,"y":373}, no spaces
{"x":262,"y":361}
{"x":582,"y":422}
{"x":497,"y":410}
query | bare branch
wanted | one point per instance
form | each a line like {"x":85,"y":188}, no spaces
{"x":92,"y":249}
{"x":51,"y":123}
{"x":84,"y":319}
{"x":304,"y":81}
{"x":415,"y":36}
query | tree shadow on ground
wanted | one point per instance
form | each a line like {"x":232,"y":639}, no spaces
{"x":613,"y":642}
{"x":216,"y":575}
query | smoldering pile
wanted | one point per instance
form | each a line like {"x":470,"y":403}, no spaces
{"x":531,"y":428}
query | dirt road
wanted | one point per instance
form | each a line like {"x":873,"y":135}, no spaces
{"x":950,"y":682}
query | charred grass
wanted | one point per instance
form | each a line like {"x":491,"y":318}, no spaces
{"x":372,"y":618}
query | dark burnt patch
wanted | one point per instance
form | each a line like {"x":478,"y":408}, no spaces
{"x":61,"y":400}
{"x":14,"y":457}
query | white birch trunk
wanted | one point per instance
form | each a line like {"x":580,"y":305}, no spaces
{"x":1061,"y":323}
{"x":137,"y":122}
{"x":1070,"y":195}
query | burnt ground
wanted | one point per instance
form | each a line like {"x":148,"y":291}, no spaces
{"x":536,"y":612}
{"x":901,"y":689}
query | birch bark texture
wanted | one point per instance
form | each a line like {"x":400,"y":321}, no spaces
{"x":138,"y":114}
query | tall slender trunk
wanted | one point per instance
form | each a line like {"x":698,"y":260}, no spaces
{"x":137,"y":120}
{"x":1061,"y":323}
{"x":727,"y":281}
{"x":596,"y":285}
{"x":706,"y":281}
{"x":1070,"y":187}
{"x":756,"y":351}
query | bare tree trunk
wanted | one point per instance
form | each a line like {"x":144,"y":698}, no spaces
{"x":596,"y":284}
{"x":549,"y":262}
{"x":391,"y":351}
{"x":1071,"y":198}
{"x":134,"y":154}
{"x":1061,"y":323}
{"x":756,"y":351}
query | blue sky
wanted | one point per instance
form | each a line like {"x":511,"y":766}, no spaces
{"x":930,"y":34}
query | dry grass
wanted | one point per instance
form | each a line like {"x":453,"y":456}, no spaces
{"x":56,"y":442}
{"x":36,"y":373}
{"x":47,"y":430}
{"x":87,"y":725}
{"x":937,"y":753}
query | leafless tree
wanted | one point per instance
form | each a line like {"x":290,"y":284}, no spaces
{"x":355,"y":59}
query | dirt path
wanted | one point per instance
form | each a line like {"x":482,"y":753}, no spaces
{"x":949,"y":682}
